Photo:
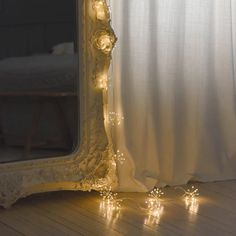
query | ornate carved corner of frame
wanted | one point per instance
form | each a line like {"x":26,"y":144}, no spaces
{"x":93,"y":165}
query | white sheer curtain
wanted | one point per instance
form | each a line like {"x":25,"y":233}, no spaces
{"x":174,"y":82}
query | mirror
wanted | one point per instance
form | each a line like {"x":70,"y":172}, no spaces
{"x":91,"y":166}
{"x":39,"y":111}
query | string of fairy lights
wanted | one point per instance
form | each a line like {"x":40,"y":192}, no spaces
{"x":111,"y":204}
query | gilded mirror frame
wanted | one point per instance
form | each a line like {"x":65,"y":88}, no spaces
{"x":92,"y":166}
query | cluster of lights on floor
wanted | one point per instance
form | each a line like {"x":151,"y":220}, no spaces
{"x":110,"y":203}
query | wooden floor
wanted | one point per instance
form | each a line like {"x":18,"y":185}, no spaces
{"x":78,"y":213}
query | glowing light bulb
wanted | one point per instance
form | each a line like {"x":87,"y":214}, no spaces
{"x":154,"y":207}
{"x":153,"y":202}
{"x":102,"y":82}
{"x":119,"y":156}
{"x":156,"y":194}
{"x":115,"y":118}
{"x":191,"y":194}
{"x":191,"y":201}
{"x":110,"y":205}
{"x":110,"y":198}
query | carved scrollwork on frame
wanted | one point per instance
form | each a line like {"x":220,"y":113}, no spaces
{"x":92,"y":166}
{"x":104,"y":40}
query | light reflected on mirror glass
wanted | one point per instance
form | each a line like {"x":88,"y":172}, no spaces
{"x":38,"y":79}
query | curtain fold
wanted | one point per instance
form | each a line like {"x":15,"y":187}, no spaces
{"x":174,"y":83}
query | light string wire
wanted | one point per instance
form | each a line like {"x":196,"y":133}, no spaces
{"x":154,"y":206}
{"x":114,"y":118}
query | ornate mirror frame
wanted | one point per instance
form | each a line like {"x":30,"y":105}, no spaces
{"x":92,"y":166}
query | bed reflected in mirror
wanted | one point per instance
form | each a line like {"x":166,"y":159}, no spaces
{"x":39,"y":108}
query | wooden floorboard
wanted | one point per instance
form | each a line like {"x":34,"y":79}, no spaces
{"x":80,"y":213}
{"x":7,"y":230}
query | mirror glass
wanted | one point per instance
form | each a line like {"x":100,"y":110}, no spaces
{"x":39,"y":108}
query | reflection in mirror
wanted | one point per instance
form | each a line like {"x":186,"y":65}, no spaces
{"x":38,"y":85}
